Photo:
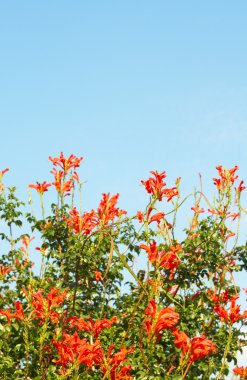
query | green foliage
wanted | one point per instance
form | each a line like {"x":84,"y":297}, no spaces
{"x":81,"y":318}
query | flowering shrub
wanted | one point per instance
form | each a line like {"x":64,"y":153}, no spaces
{"x":77,"y":318}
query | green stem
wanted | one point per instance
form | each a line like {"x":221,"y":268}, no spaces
{"x":42,"y":268}
{"x":126,"y":265}
{"x":225,"y":352}
{"x":26,"y":343}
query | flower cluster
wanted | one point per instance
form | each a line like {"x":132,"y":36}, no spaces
{"x":177,"y":317}
{"x":241,"y":371}
{"x":194,"y":349}
{"x":93,"y":328}
{"x":168,"y":260}
{"x":232,"y":314}
{"x":63,"y":184}
{"x":86,"y":223}
{"x":156,"y":186}
{"x":161,"y":320}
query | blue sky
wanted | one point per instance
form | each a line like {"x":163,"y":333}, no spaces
{"x":132,"y":86}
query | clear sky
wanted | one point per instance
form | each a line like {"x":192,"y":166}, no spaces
{"x":132,"y":86}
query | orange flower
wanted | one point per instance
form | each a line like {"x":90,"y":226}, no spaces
{"x":170,"y":193}
{"x":44,"y":307}
{"x":156,"y":186}
{"x":152,"y":251}
{"x":234,"y":215}
{"x":4,"y":270}
{"x":40,"y":187}
{"x":157,"y":217}
{"x":151,"y":308}
{"x":240,"y":187}
{"x":168,"y":260}
{"x":231,"y":234}
{"x":84,"y":223}
{"x":107,"y":209}
{"x":165,"y":319}
{"x":63,"y":187}
{"x":232,"y":315}
{"x":241,"y":371}
{"x":2,"y":172}
{"x":19,"y":313}
{"x":200,"y":347}
{"x":93,"y":328}
{"x":113,"y":364}
{"x":222,"y":297}
{"x":181,"y":340}
{"x":26,"y":240}
{"x":140,"y":216}
{"x":73,"y":349}
{"x":196,"y":349}
{"x":66,"y":163}
{"x":227,"y":177}
{"x":215,"y":212}
{"x":197,"y":209}
{"x":98,"y":276}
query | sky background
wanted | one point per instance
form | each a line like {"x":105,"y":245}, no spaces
{"x":131,"y":86}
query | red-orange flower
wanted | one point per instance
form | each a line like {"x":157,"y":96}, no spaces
{"x":200,"y":347}
{"x":63,"y":187}
{"x":2,"y":172}
{"x":234,"y":215}
{"x":227,"y":177}
{"x":217,"y":298}
{"x":40,"y":187}
{"x":98,"y":276}
{"x":26,"y":240}
{"x":4,"y":270}
{"x":84,"y":223}
{"x":156,"y":186}
{"x":157,"y":217}
{"x":241,"y":371}
{"x":170,"y":193}
{"x":140,"y":216}
{"x":168,"y":260}
{"x":93,"y":328}
{"x":231,"y":315}
{"x":114,"y":364}
{"x":197,"y":209}
{"x":215,"y":212}
{"x":166,"y":318}
{"x":19,"y":313}
{"x":240,"y":187}
{"x":196,"y":348}
{"x":73,"y":349}
{"x":66,"y":163}
{"x":181,"y":340}
{"x":152,"y":251}
{"x":44,"y":307}
{"x":107,"y":209}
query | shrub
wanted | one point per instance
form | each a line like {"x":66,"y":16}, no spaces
{"x":79,"y":317}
